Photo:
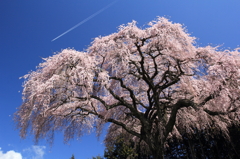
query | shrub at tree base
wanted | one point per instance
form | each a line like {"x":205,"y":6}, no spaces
{"x":152,"y":83}
{"x":197,"y":146}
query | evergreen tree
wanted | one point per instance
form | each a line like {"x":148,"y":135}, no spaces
{"x":97,"y":157}
{"x":200,"y":145}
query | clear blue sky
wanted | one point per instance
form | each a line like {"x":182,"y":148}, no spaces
{"x":27,"y":28}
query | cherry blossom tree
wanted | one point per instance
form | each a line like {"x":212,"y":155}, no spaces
{"x":152,"y":83}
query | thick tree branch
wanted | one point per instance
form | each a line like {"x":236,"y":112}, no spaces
{"x":180,"y":104}
{"x":129,"y":130}
{"x":134,"y":100}
{"x":105,"y":104}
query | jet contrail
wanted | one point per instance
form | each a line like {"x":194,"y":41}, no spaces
{"x":85,"y":20}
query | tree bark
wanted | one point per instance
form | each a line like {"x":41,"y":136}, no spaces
{"x":158,"y":153}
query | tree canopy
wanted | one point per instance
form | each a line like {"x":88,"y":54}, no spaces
{"x":153,"y":83}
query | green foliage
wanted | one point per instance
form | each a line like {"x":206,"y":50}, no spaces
{"x":120,"y":149}
{"x":97,"y":157}
{"x":72,"y":157}
{"x":197,"y":146}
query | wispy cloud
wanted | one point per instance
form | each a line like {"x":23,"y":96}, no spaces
{"x":35,"y":152}
{"x":10,"y":155}
{"x":85,"y":20}
{"x":39,"y":151}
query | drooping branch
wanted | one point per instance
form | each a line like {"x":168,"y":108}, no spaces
{"x":220,"y":112}
{"x":119,"y":123}
{"x":180,"y":104}
{"x":107,"y":106}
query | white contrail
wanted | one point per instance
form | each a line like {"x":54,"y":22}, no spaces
{"x":85,"y":20}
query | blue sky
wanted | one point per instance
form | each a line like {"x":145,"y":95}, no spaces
{"x":27,"y":28}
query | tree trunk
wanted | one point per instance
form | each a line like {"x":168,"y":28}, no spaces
{"x":158,"y":154}
{"x":157,"y":149}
